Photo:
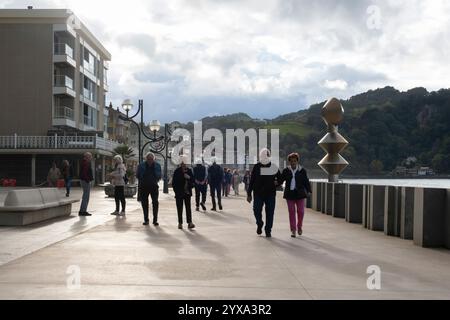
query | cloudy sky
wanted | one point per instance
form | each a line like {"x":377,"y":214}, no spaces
{"x":193,"y":58}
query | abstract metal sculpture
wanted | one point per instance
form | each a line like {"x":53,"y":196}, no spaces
{"x":333,"y":143}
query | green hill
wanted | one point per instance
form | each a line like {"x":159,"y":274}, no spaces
{"x":384,"y":128}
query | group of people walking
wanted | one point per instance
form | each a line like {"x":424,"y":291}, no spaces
{"x":260,"y":185}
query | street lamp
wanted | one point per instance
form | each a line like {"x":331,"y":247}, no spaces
{"x":157,"y":144}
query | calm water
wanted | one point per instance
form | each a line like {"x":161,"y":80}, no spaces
{"x":425,"y":183}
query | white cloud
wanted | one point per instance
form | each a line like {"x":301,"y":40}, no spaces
{"x":336,"y":84}
{"x":178,"y":54}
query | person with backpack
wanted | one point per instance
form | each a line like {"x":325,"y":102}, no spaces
{"x":296,"y":191}
{"x":149,"y":174}
{"x":118,"y":180}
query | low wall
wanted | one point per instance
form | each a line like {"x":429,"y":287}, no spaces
{"x":418,"y":214}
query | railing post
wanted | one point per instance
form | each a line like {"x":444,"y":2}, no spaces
{"x":95,"y":141}
{"x":15,"y":140}
{"x":56,"y":141}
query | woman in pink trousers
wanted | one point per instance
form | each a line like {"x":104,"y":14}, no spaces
{"x":296,"y":191}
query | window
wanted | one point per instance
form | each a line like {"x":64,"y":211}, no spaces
{"x":105,"y":76}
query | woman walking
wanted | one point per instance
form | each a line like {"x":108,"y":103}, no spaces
{"x":297,"y":189}
{"x":117,"y":179}
{"x":236,"y":181}
{"x":182,"y":183}
{"x":67,"y":173}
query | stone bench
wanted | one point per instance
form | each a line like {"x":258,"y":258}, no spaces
{"x":28,"y":206}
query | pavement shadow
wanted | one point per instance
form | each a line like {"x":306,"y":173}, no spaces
{"x":121,"y":224}
{"x":81,"y":223}
{"x":157,"y":236}
{"x":213,"y":247}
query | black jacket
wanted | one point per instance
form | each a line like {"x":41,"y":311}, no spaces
{"x":200,"y":172}
{"x":263,"y":185}
{"x":215,"y":175}
{"x":303,"y":187}
{"x":182,"y":186}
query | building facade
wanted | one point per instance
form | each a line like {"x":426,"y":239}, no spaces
{"x":53,"y":86}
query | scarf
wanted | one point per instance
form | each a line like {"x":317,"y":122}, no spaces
{"x":293,"y":182}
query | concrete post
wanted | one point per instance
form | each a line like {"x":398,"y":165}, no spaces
{"x":354,"y":203}
{"x":377,"y":207}
{"x":103,"y":169}
{"x":392,"y":212}
{"x":329,"y":205}
{"x":407,"y":213}
{"x":339,"y":200}
{"x":429,"y":217}
{"x":33,"y":170}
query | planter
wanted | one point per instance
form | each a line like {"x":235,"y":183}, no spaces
{"x":130,"y":190}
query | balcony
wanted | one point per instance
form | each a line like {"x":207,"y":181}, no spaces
{"x":64,"y":113}
{"x":44,"y":144}
{"x":63,"y":53}
{"x":63,"y":85}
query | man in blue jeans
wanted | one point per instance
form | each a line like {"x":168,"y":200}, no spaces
{"x":86,"y":178}
{"x":263,"y":183}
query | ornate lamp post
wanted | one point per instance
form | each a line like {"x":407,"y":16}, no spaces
{"x":156,"y":144}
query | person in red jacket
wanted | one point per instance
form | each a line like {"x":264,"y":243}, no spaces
{"x":86,"y":178}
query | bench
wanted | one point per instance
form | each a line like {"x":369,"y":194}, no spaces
{"x":24,"y":207}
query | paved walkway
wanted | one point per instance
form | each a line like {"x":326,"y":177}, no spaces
{"x":222,"y":259}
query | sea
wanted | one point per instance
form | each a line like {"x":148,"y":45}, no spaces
{"x":421,"y":183}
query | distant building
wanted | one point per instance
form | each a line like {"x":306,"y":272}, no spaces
{"x":118,"y":129}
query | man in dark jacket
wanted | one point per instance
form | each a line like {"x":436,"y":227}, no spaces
{"x":149,"y":174}
{"x":182,"y":183}
{"x":215,"y":177}
{"x":201,"y":184}
{"x":86,"y":178}
{"x":263,"y":186}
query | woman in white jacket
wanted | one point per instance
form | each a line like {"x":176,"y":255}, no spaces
{"x":117,"y":179}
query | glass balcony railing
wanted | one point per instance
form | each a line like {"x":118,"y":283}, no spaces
{"x":62,"y":112}
{"x":63,"y":49}
{"x":63,"y":81}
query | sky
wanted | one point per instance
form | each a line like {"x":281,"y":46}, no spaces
{"x":188,"y":59}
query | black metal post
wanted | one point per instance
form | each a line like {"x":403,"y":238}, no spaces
{"x":166,"y":182}
{"x":141,"y":107}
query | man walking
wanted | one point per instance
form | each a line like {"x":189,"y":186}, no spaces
{"x":215,"y":177}
{"x":86,"y":177}
{"x":149,"y":174}
{"x":263,"y":186}
{"x":200,"y":184}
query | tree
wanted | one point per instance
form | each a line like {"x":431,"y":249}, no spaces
{"x":376,"y":166}
{"x":124,"y":151}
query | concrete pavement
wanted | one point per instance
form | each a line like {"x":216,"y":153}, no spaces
{"x":222,"y":258}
